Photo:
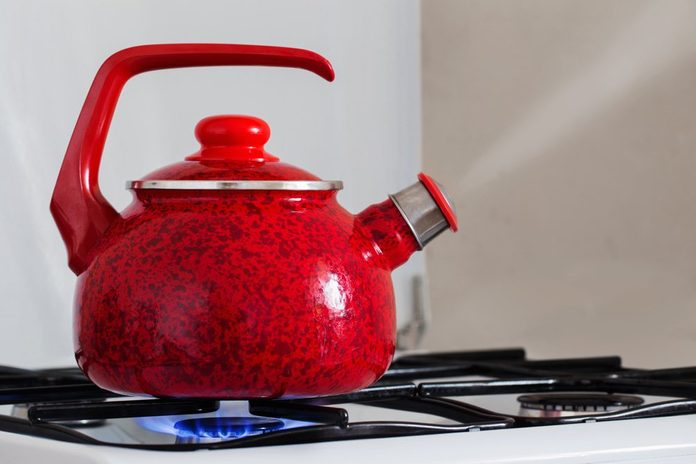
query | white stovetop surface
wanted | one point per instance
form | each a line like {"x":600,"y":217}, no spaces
{"x":659,"y":440}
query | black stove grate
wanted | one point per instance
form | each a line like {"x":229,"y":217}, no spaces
{"x":56,"y":396}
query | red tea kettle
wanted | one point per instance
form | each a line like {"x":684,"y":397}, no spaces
{"x":231,"y":274}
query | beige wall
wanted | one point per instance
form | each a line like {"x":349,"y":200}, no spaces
{"x":566,"y":133}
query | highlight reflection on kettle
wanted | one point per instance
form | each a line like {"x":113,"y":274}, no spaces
{"x":231,"y":274}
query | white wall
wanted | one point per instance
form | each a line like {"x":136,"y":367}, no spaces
{"x":364,"y":128}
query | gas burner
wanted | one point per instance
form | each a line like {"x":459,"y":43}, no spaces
{"x":574,"y":404}
{"x":223,"y":428}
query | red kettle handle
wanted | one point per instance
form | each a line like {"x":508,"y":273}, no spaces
{"x":78,"y":206}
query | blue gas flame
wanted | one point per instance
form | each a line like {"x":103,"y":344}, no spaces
{"x":231,"y":421}
{"x":226,"y":427}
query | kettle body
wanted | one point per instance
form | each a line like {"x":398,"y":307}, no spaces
{"x":188,"y":298}
{"x":231,"y":274}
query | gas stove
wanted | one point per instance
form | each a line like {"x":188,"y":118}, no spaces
{"x":474,"y":406}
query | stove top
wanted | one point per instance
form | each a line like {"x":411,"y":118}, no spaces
{"x":563,"y":409}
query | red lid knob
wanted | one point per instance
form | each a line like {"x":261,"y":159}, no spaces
{"x":232,"y":137}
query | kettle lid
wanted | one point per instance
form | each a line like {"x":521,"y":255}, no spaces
{"x":232,"y":156}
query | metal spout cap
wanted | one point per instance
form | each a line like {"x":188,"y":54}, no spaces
{"x":426,"y":208}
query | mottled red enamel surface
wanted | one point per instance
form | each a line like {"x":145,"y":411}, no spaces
{"x":240,"y":294}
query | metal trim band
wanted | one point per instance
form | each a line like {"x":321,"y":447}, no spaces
{"x":408,"y":221}
{"x":234,"y":184}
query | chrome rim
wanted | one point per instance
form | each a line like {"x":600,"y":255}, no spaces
{"x":234,"y":185}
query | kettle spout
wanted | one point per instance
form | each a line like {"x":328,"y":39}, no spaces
{"x":408,"y":220}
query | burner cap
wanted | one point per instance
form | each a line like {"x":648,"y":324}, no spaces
{"x":561,"y":404}
{"x":225,"y":427}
